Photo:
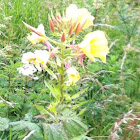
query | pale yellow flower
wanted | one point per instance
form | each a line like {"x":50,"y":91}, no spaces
{"x":35,"y":38}
{"x":73,"y":75}
{"x":85,"y":18}
{"x":81,"y":16}
{"x":94,"y":45}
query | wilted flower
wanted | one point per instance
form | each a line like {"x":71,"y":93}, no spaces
{"x":73,"y":75}
{"x":35,"y":38}
{"x":94,"y":45}
{"x":39,"y":58}
{"x":81,"y":58}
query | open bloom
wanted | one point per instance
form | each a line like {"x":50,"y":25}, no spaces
{"x":73,"y":75}
{"x":81,"y":16}
{"x":39,"y":58}
{"x":35,"y":38}
{"x":94,"y":45}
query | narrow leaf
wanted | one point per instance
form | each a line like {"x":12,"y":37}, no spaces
{"x":82,"y":112}
{"x":50,"y":72}
{"x":79,"y":93}
{"x":54,"y":90}
{"x":44,"y":111}
{"x":78,"y":105}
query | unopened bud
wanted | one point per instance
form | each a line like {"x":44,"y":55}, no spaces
{"x":47,"y":43}
{"x":51,"y":24}
{"x":53,"y":18}
{"x":74,"y":24}
{"x":59,"y":21}
{"x":63,"y":38}
{"x":59,"y":30}
{"x":32,"y":29}
{"x":79,"y":28}
{"x":67,"y":66}
{"x":58,"y":15}
{"x":70,"y":30}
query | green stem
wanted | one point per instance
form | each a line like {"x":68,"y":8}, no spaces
{"x":62,"y":74}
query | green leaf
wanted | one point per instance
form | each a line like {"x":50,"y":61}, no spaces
{"x":54,"y":90}
{"x":21,"y":125}
{"x":4,"y":123}
{"x":58,"y":61}
{"x":50,"y":72}
{"x":74,"y":127}
{"x":79,"y":93}
{"x":54,"y":131}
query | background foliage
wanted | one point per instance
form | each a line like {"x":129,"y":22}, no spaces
{"x":112,"y":89}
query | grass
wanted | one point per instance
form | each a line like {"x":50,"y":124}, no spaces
{"x":119,"y":76}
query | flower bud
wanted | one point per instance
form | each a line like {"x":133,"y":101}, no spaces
{"x":67,"y":66}
{"x":70,"y":30}
{"x":58,"y":16}
{"x":59,"y":30}
{"x":47,"y":43}
{"x":35,"y":30}
{"x":51,"y":24}
{"x":63,"y":38}
{"x":53,"y":18}
{"x":79,"y":28}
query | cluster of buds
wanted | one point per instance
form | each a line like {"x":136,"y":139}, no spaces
{"x":71,"y":22}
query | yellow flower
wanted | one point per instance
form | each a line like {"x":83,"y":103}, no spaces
{"x":94,"y":45}
{"x":35,"y":38}
{"x":81,"y":16}
{"x":73,"y":75}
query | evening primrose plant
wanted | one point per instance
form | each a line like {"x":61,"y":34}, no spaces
{"x":60,"y":114}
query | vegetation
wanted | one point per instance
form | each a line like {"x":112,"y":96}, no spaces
{"x":104,"y":103}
